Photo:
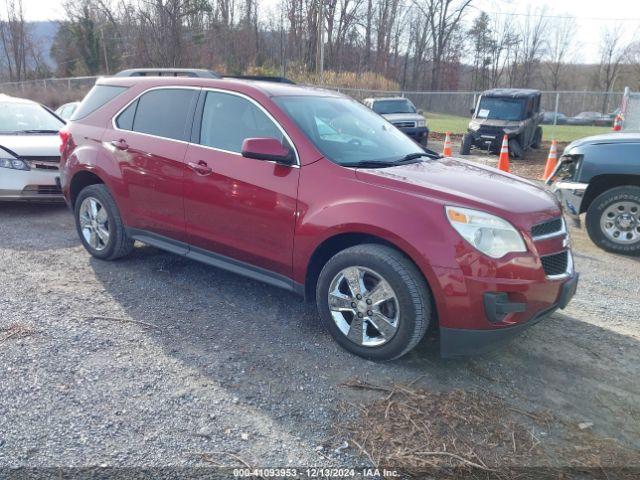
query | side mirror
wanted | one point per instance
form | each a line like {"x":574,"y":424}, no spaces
{"x":472,"y":110}
{"x":420,"y":112}
{"x":268,"y":149}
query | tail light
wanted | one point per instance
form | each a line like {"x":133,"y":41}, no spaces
{"x":64,"y":135}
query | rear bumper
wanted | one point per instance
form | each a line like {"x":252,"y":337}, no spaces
{"x":456,"y":342}
{"x":18,"y":185}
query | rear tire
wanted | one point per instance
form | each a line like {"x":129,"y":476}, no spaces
{"x":515,"y":149}
{"x":99,"y":224}
{"x":467,"y":142}
{"x":368,"y":326}
{"x":537,"y":138}
{"x":608,"y":217}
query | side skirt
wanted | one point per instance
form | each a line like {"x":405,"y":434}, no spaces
{"x":215,"y":260}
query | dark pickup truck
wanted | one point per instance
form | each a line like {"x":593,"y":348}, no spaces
{"x":600,"y":176}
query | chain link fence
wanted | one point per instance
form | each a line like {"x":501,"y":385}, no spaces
{"x":569,"y":103}
{"x":630,"y":111}
{"x":56,"y":91}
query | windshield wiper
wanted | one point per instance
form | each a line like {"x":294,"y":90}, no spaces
{"x":371,"y":164}
{"x":414,"y":156}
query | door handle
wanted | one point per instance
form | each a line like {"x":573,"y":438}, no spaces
{"x":120,"y":144}
{"x":201,"y":168}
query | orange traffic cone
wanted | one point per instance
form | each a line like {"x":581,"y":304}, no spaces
{"x":552,"y":161}
{"x":503,"y":161}
{"x":446,"y":151}
{"x":617,"y":123}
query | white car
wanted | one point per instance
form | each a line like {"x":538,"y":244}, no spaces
{"x":65,"y":111}
{"x":403,"y":114}
{"x":29,"y":151}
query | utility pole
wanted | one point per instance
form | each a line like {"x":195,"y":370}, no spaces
{"x":320,"y":41}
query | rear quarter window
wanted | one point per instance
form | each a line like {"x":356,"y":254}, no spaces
{"x":98,"y":96}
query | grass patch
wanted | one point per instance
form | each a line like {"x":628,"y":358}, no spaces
{"x":440,"y":123}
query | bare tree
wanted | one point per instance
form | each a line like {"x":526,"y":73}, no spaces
{"x":13,"y":36}
{"x":444,"y":17}
{"x":612,"y":52}
{"x":560,"y":50}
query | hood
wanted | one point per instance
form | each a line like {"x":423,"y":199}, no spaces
{"x":490,"y":122}
{"x":403,"y":117}
{"x":459,"y":182}
{"x":614,"y":137}
{"x":32,"y":145}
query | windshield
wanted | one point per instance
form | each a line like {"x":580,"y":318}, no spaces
{"x":346,"y":132}
{"x":393,"y":106}
{"x":18,"y":117}
{"x":500,"y":108}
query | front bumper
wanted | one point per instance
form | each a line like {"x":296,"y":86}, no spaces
{"x":31,"y":185}
{"x":570,"y":195}
{"x":419,"y":134}
{"x":455,"y":342}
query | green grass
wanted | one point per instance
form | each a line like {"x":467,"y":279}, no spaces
{"x":440,"y":122}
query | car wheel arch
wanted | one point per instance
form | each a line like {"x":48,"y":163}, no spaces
{"x":343,"y":240}
{"x":81,"y":180}
{"x":601,"y":183}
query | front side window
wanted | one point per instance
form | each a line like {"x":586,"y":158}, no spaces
{"x":165,"y":112}
{"x":346,"y":132}
{"x":18,"y":117}
{"x":227,"y":120}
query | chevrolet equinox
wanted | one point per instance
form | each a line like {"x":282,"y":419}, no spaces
{"x":308,"y":190}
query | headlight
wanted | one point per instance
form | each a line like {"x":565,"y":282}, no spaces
{"x":489,"y":234}
{"x":421,"y":123}
{"x":13,"y":163}
{"x":474,"y":126}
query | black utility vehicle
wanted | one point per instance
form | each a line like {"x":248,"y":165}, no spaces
{"x":511,"y":111}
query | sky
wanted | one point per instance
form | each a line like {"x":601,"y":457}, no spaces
{"x":591,"y":16}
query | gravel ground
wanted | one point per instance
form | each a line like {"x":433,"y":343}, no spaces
{"x":154,"y":359}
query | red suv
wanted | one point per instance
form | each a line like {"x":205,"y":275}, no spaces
{"x":309,"y":190}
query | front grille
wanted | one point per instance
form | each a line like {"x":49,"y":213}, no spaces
{"x":493,"y":131}
{"x":547,"y":228}
{"x":43,"y":189}
{"x":404,"y":124}
{"x":42,"y":163}
{"x":555,"y":264}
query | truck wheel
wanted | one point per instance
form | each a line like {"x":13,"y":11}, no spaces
{"x":374,"y":301}
{"x":465,"y":146}
{"x":515,"y":150}
{"x":537,"y":138}
{"x":99,"y":224}
{"x":613,"y":220}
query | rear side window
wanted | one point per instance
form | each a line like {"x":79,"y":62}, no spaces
{"x":164,"y":113}
{"x":97,"y":97}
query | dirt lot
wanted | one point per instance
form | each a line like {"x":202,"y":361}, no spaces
{"x":155,"y":360}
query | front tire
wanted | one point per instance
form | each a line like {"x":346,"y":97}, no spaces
{"x":465,"y":146}
{"x":515,"y":149}
{"x":373,"y":301}
{"x":99,"y":224}
{"x":537,"y":138}
{"x":613,"y":220}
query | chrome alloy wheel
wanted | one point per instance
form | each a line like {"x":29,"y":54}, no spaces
{"x":620,"y":222}
{"x":364,"y":306}
{"x":94,"y":223}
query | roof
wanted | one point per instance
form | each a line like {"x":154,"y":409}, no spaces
{"x":271,"y":89}
{"x":511,"y":92}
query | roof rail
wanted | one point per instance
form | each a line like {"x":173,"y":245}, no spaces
{"x":167,"y":72}
{"x":262,"y":78}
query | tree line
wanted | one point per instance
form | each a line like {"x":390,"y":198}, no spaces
{"x":407,"y":44}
